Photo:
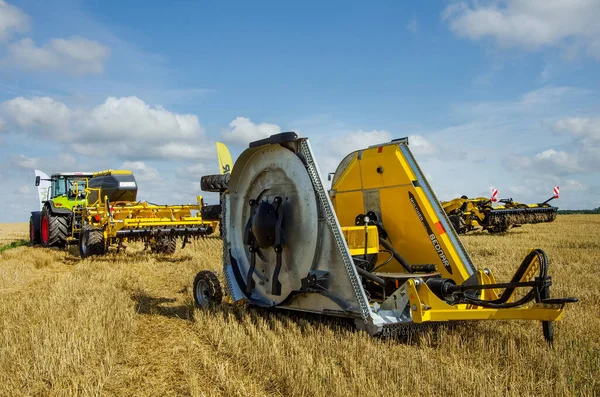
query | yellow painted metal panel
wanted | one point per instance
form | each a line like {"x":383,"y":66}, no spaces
{"x":355,"y":238}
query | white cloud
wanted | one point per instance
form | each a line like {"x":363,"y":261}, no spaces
{"x":421,"y":146}
{"x":40,"y":113}
{"x":132,"y":117}
{"x":23,"y":162}
{"x":586,"y":129}
{"x":573,"y":185}
{"x":141,"y":171}
{"x":243,"y":131}
{"x":344,"y":144}
{"x":562,"y":161}
{"x":126,"y":126}
{"x":12,"y":20}
{"x":549,"y":161}
{"x":195,"y":172}
{"x":413,"y":24}
{"x":519,"y":190}
{"x":65,"y":161}
{"x":75,"y":55}
{"x":23,"y":190}
{"x":530,"y":24}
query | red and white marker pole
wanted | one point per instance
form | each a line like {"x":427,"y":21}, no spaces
{"x":556,"y":191}
{"x":494,"y":195}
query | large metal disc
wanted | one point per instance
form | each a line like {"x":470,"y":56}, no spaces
{"x":268,"y":172}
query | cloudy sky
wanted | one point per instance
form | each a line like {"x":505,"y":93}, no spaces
{"x":499,"y":93}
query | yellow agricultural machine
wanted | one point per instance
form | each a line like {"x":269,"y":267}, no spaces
{"x":377,"y":248}
{"x":107,"y":214}
{"x":467,"y":214}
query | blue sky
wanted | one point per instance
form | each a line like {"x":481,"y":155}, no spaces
{"x":499,"y":93}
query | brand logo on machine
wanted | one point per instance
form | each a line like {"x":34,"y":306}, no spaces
{"x":432,"y":237}
{"x":226,"y":169}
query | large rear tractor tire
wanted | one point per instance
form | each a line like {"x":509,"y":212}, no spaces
{"x":215,"y":183}
{"x":54,"y":229}
{"x":207,"y":289}
{"x":165,"y":246}
{"x":91,"y":242}
{"x":34,"y":233}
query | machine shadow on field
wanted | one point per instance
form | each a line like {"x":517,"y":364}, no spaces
{"x":147,"y":304}
{"x":73,"y":257}
{"x":432,"y":335}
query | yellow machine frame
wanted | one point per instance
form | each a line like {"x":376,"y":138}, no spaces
{"x":385,"y":183}
{"x":128,"y":221}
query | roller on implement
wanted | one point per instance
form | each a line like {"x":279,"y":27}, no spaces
{"x":98,"y":210}
{"x":467,"y":214}
{"x":377,"y":248}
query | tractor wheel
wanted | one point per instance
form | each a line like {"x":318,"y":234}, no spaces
{"x":165,"y":246}
{"x":207,"y":289}
{"x":91,"y":242}
{"x":54,"y":229}
{"x":211,"y":212}
{"x":458,"y":223}
{"x":498,"y":229}
{"x":215,"y":183}
{"x":34,"y":234}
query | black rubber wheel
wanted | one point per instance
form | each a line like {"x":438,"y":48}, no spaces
{"x":34,"y":233}
{"x":165,"y":246}
{"x":498,"y":229}
{"x":211,"y":212}
{"x":458,"y":223}
{"x":215,"y":183}
{"x":207,"y":289}
{"x":548,"y":328}
{"x":91,"y":242}
{"x":54,"y":229}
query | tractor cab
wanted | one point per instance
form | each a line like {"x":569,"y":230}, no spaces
{"x":67,"y":185}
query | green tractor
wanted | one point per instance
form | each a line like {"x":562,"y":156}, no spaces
{"x":51,"y":226}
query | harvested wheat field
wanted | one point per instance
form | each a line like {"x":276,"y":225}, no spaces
{"x":125,"y":325}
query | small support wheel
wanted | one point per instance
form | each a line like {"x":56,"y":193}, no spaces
{"x":165,"y":246}
{"x":91,"y":242}
{"x":548,"y":328}
{"x":207,"y":289}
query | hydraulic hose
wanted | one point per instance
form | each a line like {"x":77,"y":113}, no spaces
{"x":501,"y":303}
{"x":396,"y":255}
{"x":370,"y":276}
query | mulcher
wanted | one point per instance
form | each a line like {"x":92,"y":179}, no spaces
{"x":377,"y":248}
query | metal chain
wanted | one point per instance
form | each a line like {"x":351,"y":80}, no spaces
{"x":223,"y":226}
{"x":331,"y":221}
{"x":404,"y":330}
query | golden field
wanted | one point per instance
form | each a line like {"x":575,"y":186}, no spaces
{"x":125,"y":325}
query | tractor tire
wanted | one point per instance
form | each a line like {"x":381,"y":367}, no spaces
{"x":498,"y":229}
{"x":215,"y":183}
{"x":54,"y":229}
{"x":34,"y":234}
{"x":91,"y":242}
{"x":207,"y":289}
{"x":458,"y":223}
{"x":165,"y":246}
{"x":211,"y":212}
